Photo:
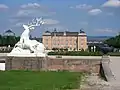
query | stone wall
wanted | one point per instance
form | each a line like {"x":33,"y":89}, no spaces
{"x":37,"y":63}
{"x":78,"y":65}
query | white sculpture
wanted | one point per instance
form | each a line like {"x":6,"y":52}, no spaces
{"x":27,"y":47}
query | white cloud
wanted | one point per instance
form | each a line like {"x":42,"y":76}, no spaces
{"x":84,"y":23}
{"x":33,"y":13}
{"x":47,"y":22}
{"x":30,"y":5}
{"x":25,"y":12}
{"x":71,"y":7}
{"x":33,"y":10}
{"x":3,"y":6}
{"x":58,"y":27}
{"x":106,"y":30}
{"x":50,"y":21}
{"x":95,"y":11}
{"x":29,"y":11}
{"x":12,"y":20}
{"x":111,"y":3}
{"x":82,"y":6}
{"x":19,"y":24}
{"x":110,"y":14}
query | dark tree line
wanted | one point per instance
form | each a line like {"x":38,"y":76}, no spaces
{"x":114,"y":41}
{"x":8,"y":40}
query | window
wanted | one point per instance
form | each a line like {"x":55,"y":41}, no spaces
{"x":66,"y":43}
{"x":75,"y":43}
{"x":46,"y":43}
{"x":70,"y":42}
{"x":46,"y":39}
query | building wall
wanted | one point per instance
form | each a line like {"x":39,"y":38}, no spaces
{"x":70,"y":42}
{"x":82,"y":42}
{"x":47,"y":41}
{"x":64,"y":42}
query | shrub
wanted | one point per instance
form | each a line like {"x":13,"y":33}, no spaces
{"x":76,"y":53}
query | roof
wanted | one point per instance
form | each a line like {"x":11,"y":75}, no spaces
{"x":57,"y":33}
{"x":47,"y":32}
{"x":9,"y":33}
{"x":66,"y":33}
{"x":71,"y":33}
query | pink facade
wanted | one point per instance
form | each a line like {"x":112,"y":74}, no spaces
{"x":70,"y":40}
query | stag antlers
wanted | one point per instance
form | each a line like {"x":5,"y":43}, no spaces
{"x":35,"y":22}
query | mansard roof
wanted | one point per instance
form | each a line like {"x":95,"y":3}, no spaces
{"x":66,"y":33}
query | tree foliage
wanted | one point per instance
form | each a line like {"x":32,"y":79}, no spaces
{"x":75,"y":53}
{"x":114,"y":41}
{"x":8,"y":40}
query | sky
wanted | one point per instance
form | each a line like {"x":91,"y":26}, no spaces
{"x":95,"y":17}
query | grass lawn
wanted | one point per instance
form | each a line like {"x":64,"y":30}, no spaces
{"x":33,"y":80}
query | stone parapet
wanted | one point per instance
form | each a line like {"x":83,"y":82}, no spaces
{"x":53,"y":64}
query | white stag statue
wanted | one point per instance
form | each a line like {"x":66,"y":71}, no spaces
{"x":26,"y":46}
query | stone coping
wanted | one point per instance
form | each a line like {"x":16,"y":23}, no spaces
{"x":26,"y":55}
{"x":78,"y":57}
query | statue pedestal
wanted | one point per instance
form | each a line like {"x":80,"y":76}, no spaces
{"x":21,"y":58}
{"x":25,"y":63}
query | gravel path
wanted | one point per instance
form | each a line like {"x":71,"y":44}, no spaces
{"x":94,"y":82}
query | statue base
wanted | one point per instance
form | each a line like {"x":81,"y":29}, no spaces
{"x":25,"y":63}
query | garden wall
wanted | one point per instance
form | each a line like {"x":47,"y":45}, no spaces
{"x":49,"y":63}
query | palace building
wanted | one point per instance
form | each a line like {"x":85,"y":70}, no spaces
{"x":9,"y":33}
{"x":62,"y":40}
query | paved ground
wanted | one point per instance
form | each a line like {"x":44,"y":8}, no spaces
{"x":111,"y":66}
{"x":94,"y":82}
{"x":115,"y":68}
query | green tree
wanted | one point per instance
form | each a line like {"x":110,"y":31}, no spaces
{"x":114,"y":41}
{"x":8,"y":40}
{"x":0,"y":40}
